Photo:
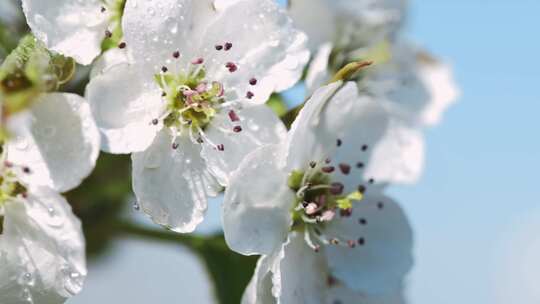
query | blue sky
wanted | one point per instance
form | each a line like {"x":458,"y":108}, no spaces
{"x":476,"y":211}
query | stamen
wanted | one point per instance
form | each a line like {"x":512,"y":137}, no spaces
{"x":237,"y":129}
{"x":197,"y":61}
{"x":253,"y":81}
{"x":228,"y":46}
{"x":345,"y":168}
{"x":219,"y":47}
{"x":328,"y":169}
{"x":122,"y":45}
{"x":176,"y":55}
{"x":231,"y":66}
{"x":233,"y":116}
{"x":250,"y":95}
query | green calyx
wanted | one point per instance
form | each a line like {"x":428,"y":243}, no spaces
{"x":29,"y":71}
{"x":191,"y":102}
{"x":10,"y":187}
{"x":115,"y":32}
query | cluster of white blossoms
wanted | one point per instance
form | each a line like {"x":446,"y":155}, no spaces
{"x":182,"y":86}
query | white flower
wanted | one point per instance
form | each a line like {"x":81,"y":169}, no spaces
{"x":348,"y":24}
{"x":74,"y":28}
{"x":54,"y":145}
{"x":412,"y":83}
{"x":189,"y":103}
{"x":362,"y":237}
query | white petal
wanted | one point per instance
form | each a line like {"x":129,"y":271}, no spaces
{"x":154,"y":32}
{"x":71,"y":27}
{"x":379,"y":266}
{"x":350,"y":24}
{"x":379,"y":146}
{"x":256,"y":209}
{"x":42,"y":253}
{"x":260,"y":126}
{"x":302,"y":275}
{"x":317,"y":19}
{"x":265,"y":46}
{"x":413,"y":83}
{"x":318,"y":74}
{"x":259,"y":289}
{"x":438,"y":78}
{"x":107,"y":60}
{"x":62,"y":144}
{"x":172,"y":185}
{"x":323,"y":119}
{"x":344,"y":295}
{"x":124,"y":105}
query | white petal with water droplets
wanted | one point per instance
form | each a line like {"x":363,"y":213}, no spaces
{"x":61,"y":145}
{"x":124,"y":105}
{"x":265,"y":46}
{"x":172,"y":185}
{"x":42,"y":253}
{"x":256,"y":210}
{"x":71,"y":27}
{"x":154,"y":32}
{"x":380,"y":265}
{"x":260,"y":126}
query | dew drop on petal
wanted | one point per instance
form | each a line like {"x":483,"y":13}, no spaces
{"x":21,"y":143}
{"x":73,"y":280}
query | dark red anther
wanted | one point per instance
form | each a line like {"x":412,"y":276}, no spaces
{"x":233,"y":116}
{"x":345,"y":168}
{"x":328,"y":169}
{"x":237,"y":129}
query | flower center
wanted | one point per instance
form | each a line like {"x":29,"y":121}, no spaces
{"x":318,"y":199}
{"x":192,"y":101}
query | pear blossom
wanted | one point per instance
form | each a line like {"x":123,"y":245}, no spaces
{"x":188,"y":103}
{"x":313,"y":206}
{"x":42,"y":251}
{"x":348,"y":24}
{"x":412,"y":83}
{"x":74,"y":28}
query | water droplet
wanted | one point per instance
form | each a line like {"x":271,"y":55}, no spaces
{"x":136,"y":206}
{"x":253,"y":126}
{"x":26,"y":295}
{"x":21,"y":143}
{"x":73,"y":280}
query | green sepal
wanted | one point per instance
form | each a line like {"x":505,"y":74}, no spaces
{"x":29,"y":71}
